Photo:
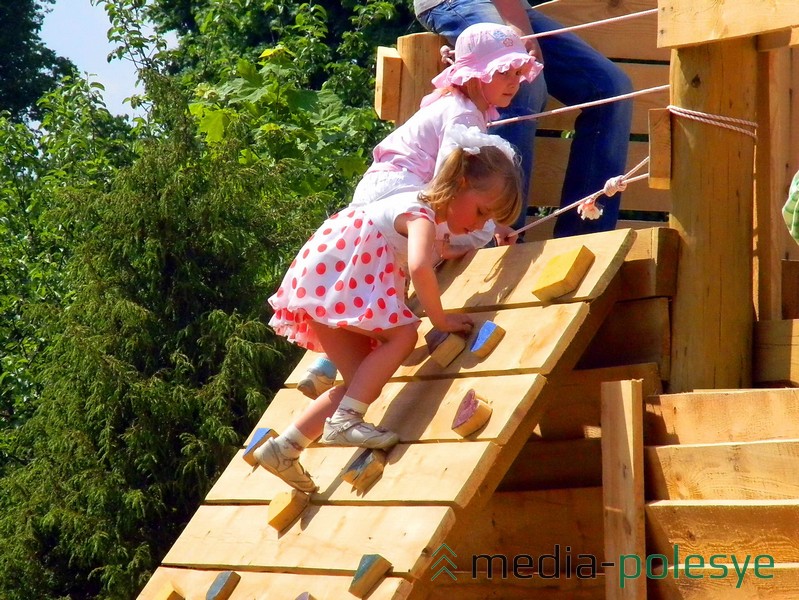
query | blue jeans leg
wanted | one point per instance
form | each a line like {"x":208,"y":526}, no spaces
{"x":577,"y":73}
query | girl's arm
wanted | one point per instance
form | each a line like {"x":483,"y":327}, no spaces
{"x":421,"y":235}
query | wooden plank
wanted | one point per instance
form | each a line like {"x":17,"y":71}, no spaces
{"x":325,"y":540}
{"x":546,"y":465}
{"x":551,"y":157}
{"x":565,"y":523}
{"x":660,"y":148}
{"x":505,"y":276}
{"x":576,"y":406}
{"x":690,"y":22}
{"x":544,"y":231}
{"x":650,"y":268}
{"x":441,"y":473}
{"x":423,"y":411}
{"x":722,"y":416}
{"x":776,"y":352}
{"x":710,"y":583}
{"x":733,"y":471}
{"x":479,"y":586}
{"x":387,"y":83}
{"x":623,"y":483}
{"x":194,"y":583}
{"x":730,"y":527}
{"x":536,"y":338}
{"x":636,"y":331}
{"x":633,"y":39}
{"x":790,"y":292}
{"x":712,"y":189}
{"x":642,"y":77}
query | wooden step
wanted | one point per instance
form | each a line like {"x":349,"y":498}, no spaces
{"x":779,"y":583}
{"x":730,"y":471}
{"x":714,"y":416}
{"x":739,"y":527}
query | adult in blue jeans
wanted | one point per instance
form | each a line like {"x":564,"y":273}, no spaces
{"x":574,"y":73}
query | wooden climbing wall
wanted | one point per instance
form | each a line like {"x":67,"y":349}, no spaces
{"x":434,"y":481}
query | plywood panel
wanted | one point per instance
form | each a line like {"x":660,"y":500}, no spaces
{"x":324,"y":540}
{"x":423,"y":411}
{"x":732,"y":471}
{"x":193,"y":585}
{"x":441,"y":473}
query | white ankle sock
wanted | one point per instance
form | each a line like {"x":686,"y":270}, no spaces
{"x":292,"y":442}
{"x":349,"y":409}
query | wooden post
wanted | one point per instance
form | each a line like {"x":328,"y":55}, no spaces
{"x":771,"y":235}
{"x":623,"y":488}
{"x":712,"y":210}
{"x":421,"y":61}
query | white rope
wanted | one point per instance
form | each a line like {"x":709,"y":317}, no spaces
{"x":717,"y":120}
{"x":612,"y":185}
{"x":563,"y":109}
{"x":591,"y":24}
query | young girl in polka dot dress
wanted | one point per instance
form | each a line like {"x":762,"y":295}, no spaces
{"x":344,"y":294}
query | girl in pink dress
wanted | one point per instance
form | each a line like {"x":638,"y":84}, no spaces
{"x":344,"y":294}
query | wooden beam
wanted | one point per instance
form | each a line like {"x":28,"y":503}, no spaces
{"x":773,"y":115}
{"x":712,"y":189}
{"x":623,"y":485}
{"x":387,"y":83}
{"x":691,"y":22}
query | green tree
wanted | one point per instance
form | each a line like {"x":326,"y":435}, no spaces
{"x":28,"y":69}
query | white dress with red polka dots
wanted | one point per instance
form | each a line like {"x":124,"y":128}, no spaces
{"x":351,"y":272}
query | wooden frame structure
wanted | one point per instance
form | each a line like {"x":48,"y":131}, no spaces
{"x":584,"y":455}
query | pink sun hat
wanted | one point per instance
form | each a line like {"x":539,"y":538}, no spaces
{"x":483,"y":49}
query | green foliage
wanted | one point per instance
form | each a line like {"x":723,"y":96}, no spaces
{"x":156,"y":369}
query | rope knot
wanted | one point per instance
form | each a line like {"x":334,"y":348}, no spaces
{"x":614,"y":185}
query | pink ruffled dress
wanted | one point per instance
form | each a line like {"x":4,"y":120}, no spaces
{"x":351,"y":272}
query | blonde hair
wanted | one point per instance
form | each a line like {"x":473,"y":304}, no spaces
{"x":488,"y":170}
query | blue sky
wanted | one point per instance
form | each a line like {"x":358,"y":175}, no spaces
{"x":77,"y":30}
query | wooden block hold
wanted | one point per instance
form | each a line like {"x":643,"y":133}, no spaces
{"x":285,"y":507}
{"x":305,"y":596}
{"x":168,"y":592}
{"x":223,"y":586}
{"x":563,"y":273}
{"x":444,"y":347}
{"x":489,"y":335}
{"x":371,"y":570}
{"x":259,"y":437}
{"x":473,"y":412}
{"x":365,"y":469}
